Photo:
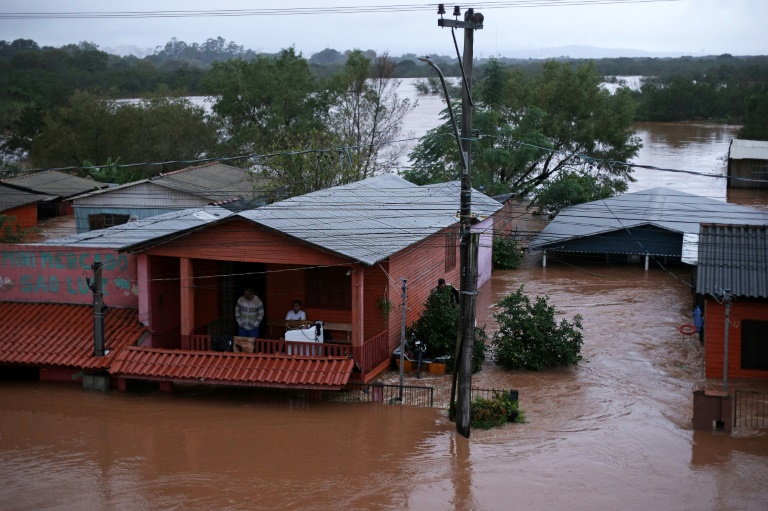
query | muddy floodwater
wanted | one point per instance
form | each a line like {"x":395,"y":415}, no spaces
{"x":612,"y":433}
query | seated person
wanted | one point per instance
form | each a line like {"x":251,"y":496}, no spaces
{"x":296,"y":318}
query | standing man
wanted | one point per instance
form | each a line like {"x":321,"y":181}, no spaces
{"x":442,"y":287}
{"x":249,"y":311}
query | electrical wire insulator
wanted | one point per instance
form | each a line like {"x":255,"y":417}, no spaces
{"x":456,"y":11}
{"x":441,"y":9}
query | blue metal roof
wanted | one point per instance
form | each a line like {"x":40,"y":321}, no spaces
{"x":663,"y":208}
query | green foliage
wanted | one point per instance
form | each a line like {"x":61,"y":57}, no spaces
{"x":10,"y":231}
{"x":563,"y":109}
{"x":438,"y":326}
{"x":91,"y":130}
{"x":571,"y":188}
{"x":495,"y":412}
{"x":506,"y":253}
{"x":756,"y":118}
{"x":529,"y":337}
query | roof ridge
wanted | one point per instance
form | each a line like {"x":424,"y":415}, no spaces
{"x":186,"y":169}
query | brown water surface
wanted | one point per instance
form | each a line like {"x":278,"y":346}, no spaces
{"x":612,"y":433}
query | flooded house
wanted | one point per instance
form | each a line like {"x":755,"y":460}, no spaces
{"x":343,"y":252}
{"x":213,"y":183}
{"x":732,"y":281}
{"x":19,"y":207}
{"x":55,"y":187}
{"x":748,"y":164}
{"x":658,"y":224}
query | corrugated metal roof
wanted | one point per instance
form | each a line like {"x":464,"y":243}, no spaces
{"x":53,"y":182}
{"x":12,"y":198}
{"x":214,"y":182}
{"x":660,"y":207}
{"x":144,"y":230}
{"x":221,"y":368}
{"x":748,"y":150}
{"x":369,"y":220}
{"x":52,"y":334}
{"x":733,"y":257}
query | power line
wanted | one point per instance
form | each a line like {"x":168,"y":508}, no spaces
{"x":307,"y":11}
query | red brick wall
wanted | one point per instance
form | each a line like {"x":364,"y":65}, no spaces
{"x":714,"y":337}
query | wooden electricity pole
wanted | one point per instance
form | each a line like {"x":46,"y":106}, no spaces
{"x":469,"y":242}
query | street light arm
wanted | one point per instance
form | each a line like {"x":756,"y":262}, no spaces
{"x":450,"y":110}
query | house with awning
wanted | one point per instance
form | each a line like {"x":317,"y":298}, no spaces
{"x":345,"y":252}
{"x":659,"y":223}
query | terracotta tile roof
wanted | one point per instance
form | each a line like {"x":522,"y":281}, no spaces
{"x":52,"y":334}
{"x":223,"y":368}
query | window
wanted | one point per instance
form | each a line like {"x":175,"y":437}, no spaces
{"x":328,"y":288}
{"x":450,"y":251}
{"x":103,"y":220}
{"x":754,"y":345}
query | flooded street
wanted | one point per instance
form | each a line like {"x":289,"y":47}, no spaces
{"x":612,"y":433}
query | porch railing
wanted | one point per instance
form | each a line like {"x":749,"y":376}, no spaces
{"x":373,"y":352}
{"x":273,"y":346}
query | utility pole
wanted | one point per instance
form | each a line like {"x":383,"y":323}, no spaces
{"x":469,"y":243}
{"x":402,"y":333}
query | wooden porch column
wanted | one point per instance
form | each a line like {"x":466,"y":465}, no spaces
{"x":142,"y":276}
{"x":187,"y":301}
{"x":358,"y":313}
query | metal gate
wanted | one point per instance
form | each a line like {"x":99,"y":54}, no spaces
{"x":750,"y":409}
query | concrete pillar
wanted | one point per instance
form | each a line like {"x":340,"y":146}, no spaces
{"x":358,"y":294}
{"x":646,"y":262}
{"x":544,"y":260}
{"x":186,"y":285}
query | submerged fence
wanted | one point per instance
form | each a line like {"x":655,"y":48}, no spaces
{"x":750,"y":409}
{"x":409,"y":395}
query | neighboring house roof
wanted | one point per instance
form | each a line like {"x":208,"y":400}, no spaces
{"x":661,"y":208}
{"x":54,"y":183}
{"x":748,"y":150}
{"x":369,"y":220}
{"x":52,"y":334}
{"x":214,"y":182}
{"x":11,"y":198}
{"x":733,"y":257}
{"x":144,"y":230}
{"x":223,"y":368}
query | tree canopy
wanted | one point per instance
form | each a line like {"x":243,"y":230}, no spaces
{"x":529,"y":128}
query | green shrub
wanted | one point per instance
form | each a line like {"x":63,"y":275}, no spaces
{"x":506,"y":254}
{"x":495,"y":412}
{"x":438,"y":326}
{"x":529,"y":337}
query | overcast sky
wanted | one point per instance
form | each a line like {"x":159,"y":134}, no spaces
{"x":689,"y":27}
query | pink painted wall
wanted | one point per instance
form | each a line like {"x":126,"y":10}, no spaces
{"x":33,"y":273}
{"x":485,"y":252}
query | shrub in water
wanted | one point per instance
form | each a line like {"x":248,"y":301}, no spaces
{"x":438,"y":326}
{"x":529,"y":337}
{"x":495,"y":412}
{"x":506,"y":254}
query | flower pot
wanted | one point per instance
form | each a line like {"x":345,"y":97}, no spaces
{"x":436,"y":368}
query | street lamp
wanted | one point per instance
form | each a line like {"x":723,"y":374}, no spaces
{"x":450,"y":109}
